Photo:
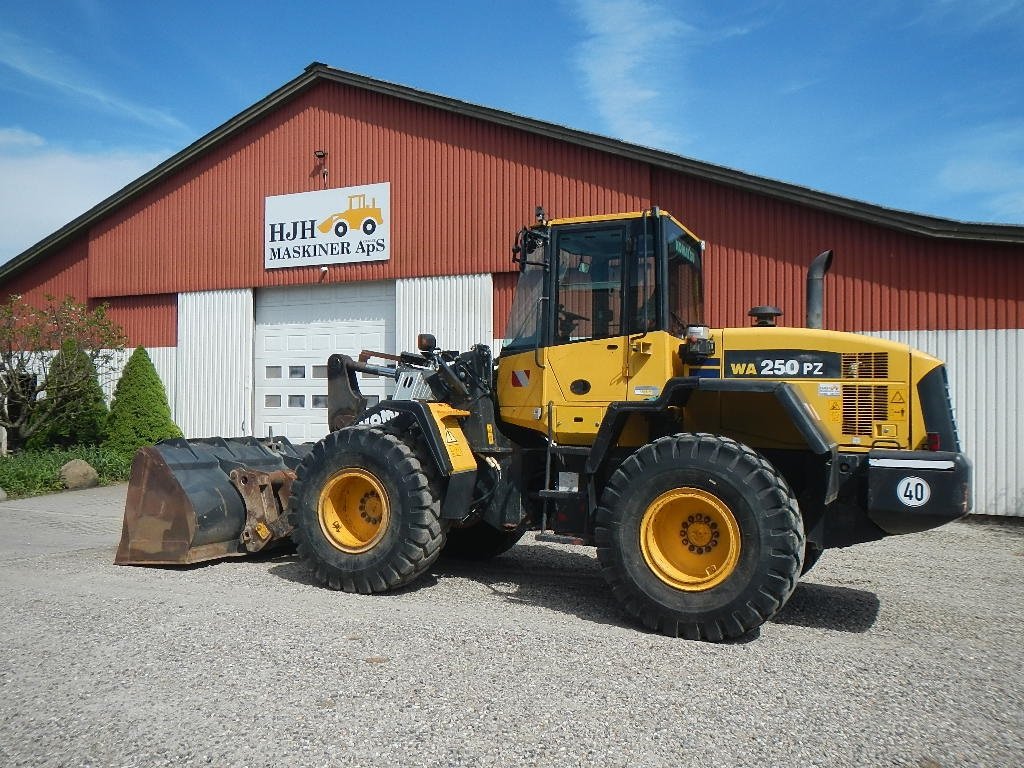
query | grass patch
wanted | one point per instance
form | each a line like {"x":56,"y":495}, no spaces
{"x":31,"y":473}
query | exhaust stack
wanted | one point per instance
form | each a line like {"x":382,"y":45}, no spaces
{"x":816,"y":289}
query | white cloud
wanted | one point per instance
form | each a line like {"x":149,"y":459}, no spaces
{"x":45,"y":187}
{"x":58,"y":72}
{"x":14,"y":138}
{"x":988,"y":164}
{"x":623,"y":62}
{"x":976,"y":16}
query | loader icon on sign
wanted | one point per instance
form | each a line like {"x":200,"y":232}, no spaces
{"x":359,"y":215}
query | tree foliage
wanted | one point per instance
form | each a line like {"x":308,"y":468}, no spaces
{"x":32,"y":396}
{"x":139,"y":413}
{"x":83,"y":417}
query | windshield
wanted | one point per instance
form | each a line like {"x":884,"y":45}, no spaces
{"x":685,"y":290}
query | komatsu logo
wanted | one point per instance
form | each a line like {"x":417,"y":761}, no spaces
{"x":333,"y":226}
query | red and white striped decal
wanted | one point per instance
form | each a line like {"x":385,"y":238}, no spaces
{"x":520,"y":378}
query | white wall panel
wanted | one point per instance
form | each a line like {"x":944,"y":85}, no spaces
{"x":213,"y":390}
{"x":984,"y":379}
{"x":457,"y":309}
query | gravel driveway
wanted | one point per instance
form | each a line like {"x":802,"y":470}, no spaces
{"x":903,"y":652}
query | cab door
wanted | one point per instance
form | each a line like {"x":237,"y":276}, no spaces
{"x":586,"y":358}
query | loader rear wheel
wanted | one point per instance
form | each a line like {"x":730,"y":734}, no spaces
{"x":699,"y":536}
{"x":365,"y":511}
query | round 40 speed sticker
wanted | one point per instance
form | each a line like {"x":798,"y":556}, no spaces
{"x":913,"y":491}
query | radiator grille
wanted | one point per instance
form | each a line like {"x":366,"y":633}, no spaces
{"x":865,"y":365}
{"x":864,"y":404}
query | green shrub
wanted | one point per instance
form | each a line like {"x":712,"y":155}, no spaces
{"x":74,"y":395}
{"x":30,"y":473}
{"x":139,"y":413}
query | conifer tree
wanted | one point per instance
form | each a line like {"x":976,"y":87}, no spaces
{"x":74,"y":409}
{"x":139,"y":413}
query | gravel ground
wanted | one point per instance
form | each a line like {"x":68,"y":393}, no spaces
{"x":902,"y":652}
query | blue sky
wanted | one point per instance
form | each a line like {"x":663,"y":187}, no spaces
{"x":911,"y":104}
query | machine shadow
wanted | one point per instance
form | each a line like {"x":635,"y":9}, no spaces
{"x":571,"y":582}
{"x":825,"y":606}
{"x":550,"y":578}
{"x":542,"y":577}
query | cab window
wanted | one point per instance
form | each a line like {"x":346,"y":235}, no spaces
{"x":588,"y":300}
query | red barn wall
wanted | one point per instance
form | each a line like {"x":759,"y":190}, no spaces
{"x":460,"y":189}
{"x":881,"y":279}
{"x":148,"y":321}
{"x":64,"y":273}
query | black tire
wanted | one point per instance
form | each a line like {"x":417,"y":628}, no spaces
{"x":812,"y":555}
{"x":369,"y":227}
{"x":480,"y":542}
{"x":341,"y":228}
{"x":692,"y":501}
{"x":377,"y":475}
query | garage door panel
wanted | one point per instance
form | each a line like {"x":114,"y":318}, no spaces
{"x":297,"y":329}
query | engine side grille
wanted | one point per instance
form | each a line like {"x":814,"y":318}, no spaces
{"x":865,"y":365}
{"x":864,"y":404}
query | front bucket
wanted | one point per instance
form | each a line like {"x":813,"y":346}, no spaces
{"x":181,"y":505}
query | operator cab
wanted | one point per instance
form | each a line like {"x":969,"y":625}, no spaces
{"x":604,"y":277}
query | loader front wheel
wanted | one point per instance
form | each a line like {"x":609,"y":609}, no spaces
{"x":365,"y":511}
{"x":699,"y":536}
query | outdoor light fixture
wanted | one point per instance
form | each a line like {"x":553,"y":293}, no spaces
{"x":321,"y":165}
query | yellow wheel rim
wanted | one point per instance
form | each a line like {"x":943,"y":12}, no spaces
{"x":353,"y":510}
{"x":690,"y":539}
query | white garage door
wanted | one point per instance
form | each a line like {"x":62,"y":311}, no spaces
{"x":297,"y":329}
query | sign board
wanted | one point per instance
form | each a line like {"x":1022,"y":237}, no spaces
{"x":331,"y":226}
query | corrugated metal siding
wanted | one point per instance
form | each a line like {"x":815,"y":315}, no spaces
{"x":456,"y":309}
{"x":984,"y":378}
{"x":148,"y":321}
{"x":65,"y":273}
{"x":759,"y":249}
{"x":460,"y":188}
{"x":213,"y":384}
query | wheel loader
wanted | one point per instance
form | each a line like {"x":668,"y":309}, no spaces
{"x":709,"y":467}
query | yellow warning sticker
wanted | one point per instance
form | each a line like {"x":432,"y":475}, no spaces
{"x":898,"y":405}
{"x":262,"y":531}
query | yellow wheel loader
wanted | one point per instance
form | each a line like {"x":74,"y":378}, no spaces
{"x":710,"y":467}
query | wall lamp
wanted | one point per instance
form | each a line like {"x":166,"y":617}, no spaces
{"x":321,"y":165}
